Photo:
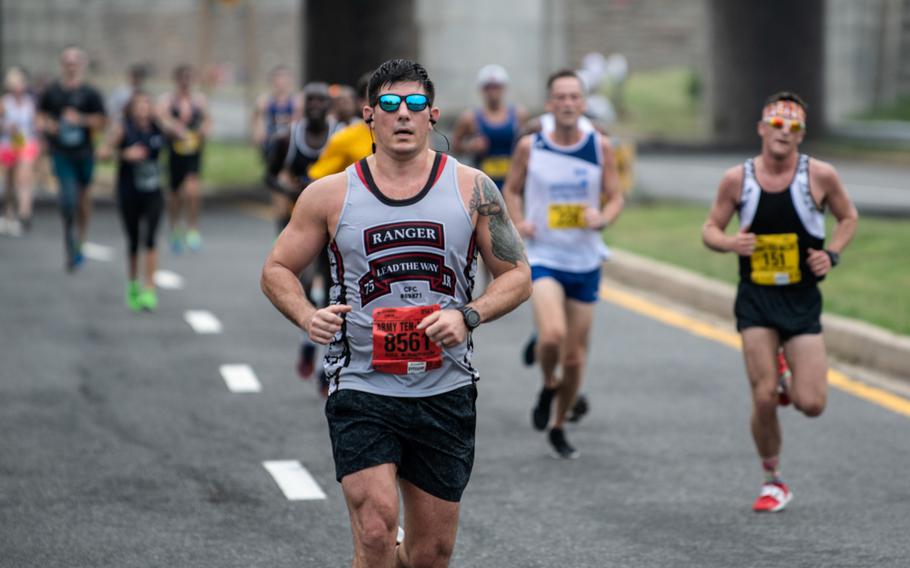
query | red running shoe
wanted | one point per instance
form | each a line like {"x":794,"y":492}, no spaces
{"x":783,"y":379}
{"x":773,"y":498}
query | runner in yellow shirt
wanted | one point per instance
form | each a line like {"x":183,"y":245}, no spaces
{"x":348,"y":145}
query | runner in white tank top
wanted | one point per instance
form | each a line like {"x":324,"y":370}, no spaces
{"x":562,"y":193}
{"x":403,"y":228}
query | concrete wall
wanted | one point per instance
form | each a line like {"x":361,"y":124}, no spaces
{"x":458,"y":38}
{"x":651,"y":33}
{"x":162,"y":33}
{"x":867,"y":46}
{"x":868,"y":54}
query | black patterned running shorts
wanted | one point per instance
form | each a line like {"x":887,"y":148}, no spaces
{"x":430,"y":439}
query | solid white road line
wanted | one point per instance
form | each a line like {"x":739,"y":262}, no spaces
{"x":240,"y":378}
{"x":202,"y":321}
{"x":94,"y":251}
{"x":168,"y":280}
{"x":294,"y":480}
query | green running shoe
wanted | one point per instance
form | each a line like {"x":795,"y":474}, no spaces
{"x":193,"y":240}
{"x":148,"y":300}
{"x":132,"y":295}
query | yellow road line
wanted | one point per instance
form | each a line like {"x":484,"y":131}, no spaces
{"x":729,"y":338}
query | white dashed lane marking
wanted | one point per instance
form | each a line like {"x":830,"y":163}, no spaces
{"x":240,"y":378}
{"x":168,"y":280}
{"x":294,"y":480}
{"x":202,"y":321}
{"x":94,"y":251}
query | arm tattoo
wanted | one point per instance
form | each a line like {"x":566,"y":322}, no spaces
{"x":487,"y":201}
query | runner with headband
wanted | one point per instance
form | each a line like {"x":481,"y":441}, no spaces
{"x":780,"y":197}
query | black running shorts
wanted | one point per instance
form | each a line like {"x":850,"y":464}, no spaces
{"x":791,"y":310}
{"x":430,"y":439}
{"x":180,"y":166}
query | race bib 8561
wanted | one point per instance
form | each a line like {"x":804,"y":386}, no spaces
{"x":399,"y":348}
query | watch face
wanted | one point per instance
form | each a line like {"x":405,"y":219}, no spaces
{"x":471,"y":318}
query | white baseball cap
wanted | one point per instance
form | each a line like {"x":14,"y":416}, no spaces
{"x":492,"y":74}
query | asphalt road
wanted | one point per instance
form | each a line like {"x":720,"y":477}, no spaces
{"x":875,"y":188}
{"x":121,"y":445}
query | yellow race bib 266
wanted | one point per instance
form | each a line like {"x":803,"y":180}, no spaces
{"x":566,"y":216}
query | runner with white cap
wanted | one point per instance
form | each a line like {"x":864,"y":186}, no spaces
{"x":488,"y":133}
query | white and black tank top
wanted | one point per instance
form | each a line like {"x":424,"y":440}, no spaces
{"x":786,"y":224}
{"x":300,"y":155}
{"x":389,"y":253}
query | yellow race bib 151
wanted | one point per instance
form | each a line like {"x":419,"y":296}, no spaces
{"x":775,"y":261}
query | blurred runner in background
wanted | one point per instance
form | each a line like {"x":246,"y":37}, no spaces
{"x":185,"y":118}
{"x":345,"y":108}
{"x":276,"y":110}
{"x":487,"y":134}
{"x":291,"y":154}
{"x":562,"y":193}
{"x":137,"y":140}
{"x":70,"y":113}
{"x":19,"y":149}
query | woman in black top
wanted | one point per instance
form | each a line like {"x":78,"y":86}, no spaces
{"x":138,"y":141}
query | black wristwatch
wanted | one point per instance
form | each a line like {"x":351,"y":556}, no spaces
{"x":471,"y":317}
{"x":835,"y":257}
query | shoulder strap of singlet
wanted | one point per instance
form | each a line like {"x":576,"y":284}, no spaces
{"x":811,"y":215}
{"x":749,"y":194}
{"x":292,"y":143}
{"x":366,"y":177}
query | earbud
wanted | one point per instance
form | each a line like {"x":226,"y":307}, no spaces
{"x":369,"y":120}
{"x":433,"y":121}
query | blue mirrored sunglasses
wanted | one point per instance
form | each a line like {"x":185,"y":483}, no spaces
{"x":390,"y":102}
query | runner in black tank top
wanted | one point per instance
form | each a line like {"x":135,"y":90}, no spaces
{"x":780,"y":197}
{"x":291,"y":154}
{"x":185,"y":118}
{"x":138,"y":141}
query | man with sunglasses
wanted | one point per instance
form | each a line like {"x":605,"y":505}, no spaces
{"x":562,"y":192}
{"x":780,"y":196}
{"x":403,"y":227}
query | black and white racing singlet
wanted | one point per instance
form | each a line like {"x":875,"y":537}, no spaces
{"x":786,"y":225}
{"x":394,"y":262}
{"x":300,"y":155}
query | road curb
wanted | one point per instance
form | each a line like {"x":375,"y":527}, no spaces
{"x":850,"y":340}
